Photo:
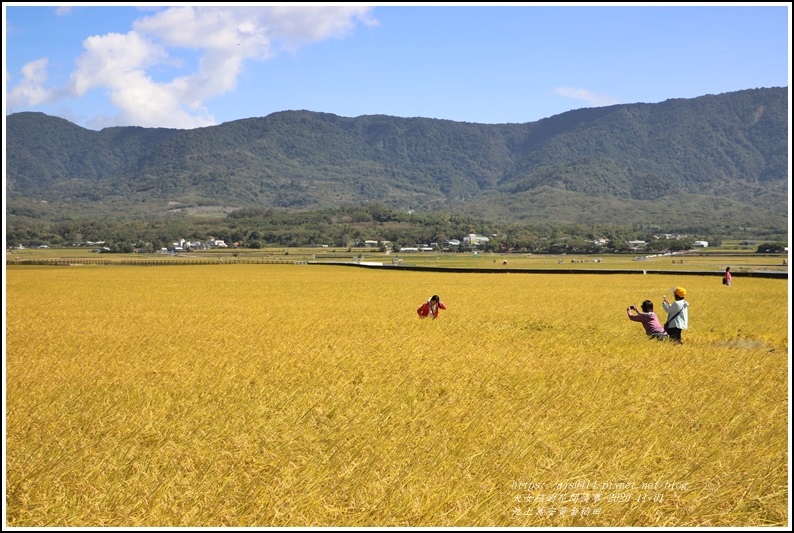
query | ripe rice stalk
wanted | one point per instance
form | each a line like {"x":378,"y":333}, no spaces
{"x":310,"y":395}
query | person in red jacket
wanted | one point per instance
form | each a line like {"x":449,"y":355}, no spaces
{"x":431,"y":307}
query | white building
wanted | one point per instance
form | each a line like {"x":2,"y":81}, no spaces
{"x":474,"y":239}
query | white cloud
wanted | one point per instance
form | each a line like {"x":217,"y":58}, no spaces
{"x":215,"y":29}
{"x":593,"y":100}
{"x":109,"y":60}
{"x":118,"y":63}
{"x":298,"y":26}
{"x":30,"y":91}
{"x":252,"y":31}
{"x":226,"y":36}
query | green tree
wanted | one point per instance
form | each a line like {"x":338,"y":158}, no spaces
{"x":771,"y":248}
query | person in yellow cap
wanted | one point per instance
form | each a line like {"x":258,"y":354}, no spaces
{"x":677,"y":314}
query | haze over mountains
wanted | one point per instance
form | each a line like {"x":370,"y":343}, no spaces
{"x":716,"y":161}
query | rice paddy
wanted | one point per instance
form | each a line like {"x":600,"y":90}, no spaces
{"x":312,"y":395}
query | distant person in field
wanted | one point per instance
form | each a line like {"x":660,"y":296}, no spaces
{"x":648,"y":319}
{"x":677,"y":314}
{"x":727,"y":278}
{"x":431,"y":307}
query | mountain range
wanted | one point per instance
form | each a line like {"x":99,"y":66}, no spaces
{"x":713,"y":163}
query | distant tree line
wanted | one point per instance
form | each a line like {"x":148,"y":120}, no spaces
{"x":255,"y":228}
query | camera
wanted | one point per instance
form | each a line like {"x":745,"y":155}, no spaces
{"x":632,"y":307}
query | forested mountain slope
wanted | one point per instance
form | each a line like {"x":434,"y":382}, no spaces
{"x":718,"y":159}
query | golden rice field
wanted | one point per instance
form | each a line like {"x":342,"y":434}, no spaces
{"x":312,"y":395}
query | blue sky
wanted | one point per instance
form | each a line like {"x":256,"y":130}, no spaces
{"x":188,"y":65}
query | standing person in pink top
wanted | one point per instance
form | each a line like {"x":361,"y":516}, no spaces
{"x":648,"y":319}
{"x":727,"y":278}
